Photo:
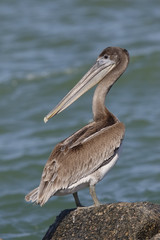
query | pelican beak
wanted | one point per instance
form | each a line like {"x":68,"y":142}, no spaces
{"x":99,"y":70}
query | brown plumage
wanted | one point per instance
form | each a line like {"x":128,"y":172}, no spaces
{"x":85,"y":157}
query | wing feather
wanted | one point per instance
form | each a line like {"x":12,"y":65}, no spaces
{"x":71,"y":160}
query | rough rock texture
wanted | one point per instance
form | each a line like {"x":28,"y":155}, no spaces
{"x":117,"y":221}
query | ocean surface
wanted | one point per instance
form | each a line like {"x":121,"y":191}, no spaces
{"x":45,"y":48}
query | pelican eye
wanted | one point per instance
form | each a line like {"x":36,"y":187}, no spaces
{"x":106,"y":56}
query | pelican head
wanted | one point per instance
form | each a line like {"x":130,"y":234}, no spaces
{"x":105,"y":63}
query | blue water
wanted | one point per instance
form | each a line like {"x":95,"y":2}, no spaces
{"x":46,"y":47}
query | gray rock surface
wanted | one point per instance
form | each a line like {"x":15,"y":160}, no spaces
{"x":116,"y":221}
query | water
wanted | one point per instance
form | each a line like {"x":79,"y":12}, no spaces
{"x":46,"y":47}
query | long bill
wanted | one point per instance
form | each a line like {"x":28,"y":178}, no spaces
{"x":99,"y":70}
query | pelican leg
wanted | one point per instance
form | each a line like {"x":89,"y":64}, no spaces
{"x":77,"y":201}
{"x":93,"y":195}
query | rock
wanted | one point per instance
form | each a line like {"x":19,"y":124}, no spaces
{"x":116,"y":221}
{"x":156,"y":237}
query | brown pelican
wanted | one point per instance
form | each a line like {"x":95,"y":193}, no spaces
{"x":85,"y":157}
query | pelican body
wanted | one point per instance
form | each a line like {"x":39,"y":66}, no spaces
{"x":85,"y":157}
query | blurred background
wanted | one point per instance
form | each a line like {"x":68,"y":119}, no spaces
{"x":45,"y":48}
